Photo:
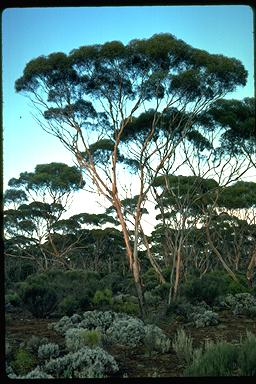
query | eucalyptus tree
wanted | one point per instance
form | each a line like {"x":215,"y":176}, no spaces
{"x":114,"y":105}
{"x":36,"y":201}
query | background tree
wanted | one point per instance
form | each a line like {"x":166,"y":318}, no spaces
{"x":28,"y":226}
{"x":93,"y":93}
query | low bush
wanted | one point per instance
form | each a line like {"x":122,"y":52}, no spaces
{"x":183,"y":346}
{"x":240,"y":303}
{"x":13,"y":298}
{"x":85,"y":363}
{"x":218,"y":360}
{"x":208,"y":288}
{"x":103,"y":298}
{"x":205,"y":319}
{"x":40,"y":301}
{"x":34,"y":342}
{"x":48,"y":351}
{"x":129,"y":331}
{"x":247,"y":355}
{"x":23,"y":362}
{"x":155,"y":339}
{"x":77,"y":338}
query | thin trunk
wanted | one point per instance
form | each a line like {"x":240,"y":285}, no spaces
{"x":132,"y":257}
{"x":177,"y":272}
{"x":250,"y":268}
{"x":217,"y":253}
{"x":153,"y":262}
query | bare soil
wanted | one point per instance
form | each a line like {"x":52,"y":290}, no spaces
{"x":137,"y":362}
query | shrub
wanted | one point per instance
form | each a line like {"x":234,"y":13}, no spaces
{"x":77,"y":338}
{"x":23,"y":361}
{"x":13,"y":298}
{"x":208,"y":288}
{"x":218,"y":360}
{"x":247,"y":356}
{"x":240,"y":303}
{"x":102,"y":298}
{"x":68,"y":306}
{"x":48,"y":351}
{"x":40,"y":301}
{"x":183,"y":346}
{"x":127,"y":307}
{"x":162,"y":290}
{"x":35,"y":342}
{"x":129,"y":331}
{"x":85,"y":363}
{"x":155,"y":339}
{"x":63,"y":324}
{"x":205,"y":319}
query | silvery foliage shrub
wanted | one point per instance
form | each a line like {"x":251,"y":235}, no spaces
{"x":240,"y":303}
{"x":88,"y":362}
{"x":65,"y":323}
{"x":77,"y":338}
{"x":101,"y":320}
{"x":48,"y":351}
{"x":127,"y":331}
{"x":37,"y":373}
{"x":155,"y":339}
{"x":183,"y":345}
{"x":35,"y":342}
{"x":205,"y":318}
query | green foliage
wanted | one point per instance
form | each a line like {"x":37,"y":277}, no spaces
{"x":208,"y":288}
{"x":102,"y":298}
{"x":40,"y":301}
{"x":59,"y":292}
{"x":13,"y":298}
{"x":68,"y":305}
{"x":35,"y":342}
{"x":218,"y":360}
{"x":247,"y":355}
{"x":23,"y":362}
{"x":77,"y":338}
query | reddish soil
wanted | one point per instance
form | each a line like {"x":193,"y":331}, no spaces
{"x":137,"y":362}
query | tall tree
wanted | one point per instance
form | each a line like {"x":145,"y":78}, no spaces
{"x":89,"y":98}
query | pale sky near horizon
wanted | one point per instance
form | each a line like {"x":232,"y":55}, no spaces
{"x":30,"y":32}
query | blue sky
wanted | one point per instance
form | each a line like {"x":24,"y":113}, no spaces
{"x":30,"y":32}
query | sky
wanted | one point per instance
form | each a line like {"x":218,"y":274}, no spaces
{"x":31,"y":32}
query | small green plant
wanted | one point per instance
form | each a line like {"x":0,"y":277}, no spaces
{"x":247,"y":355}
{"x":103,"y":298}
{"x":218,"y":360}
{"x":183,"y":346}
{"x":13,"y":298}
{"x":23,"y":362}
{"x":68,"y":306}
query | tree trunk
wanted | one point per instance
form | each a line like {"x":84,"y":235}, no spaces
{"x":217,"y":253}
{"x":250,"y":268}
{"x":132,"y":257}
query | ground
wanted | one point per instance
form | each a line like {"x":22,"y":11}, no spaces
{"x":135,"y":362}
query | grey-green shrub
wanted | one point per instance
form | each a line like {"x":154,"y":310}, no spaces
{"x":155,"y":339}
{"x":88,"y":361}
{"x":48,"y":351}
{"x":205,"y":319}
{"x":183,"y":345}
{"x":129,"y":331}
{"x":77,"y":338}
{"x":35,"y":342}
{"x":240,"y":303}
